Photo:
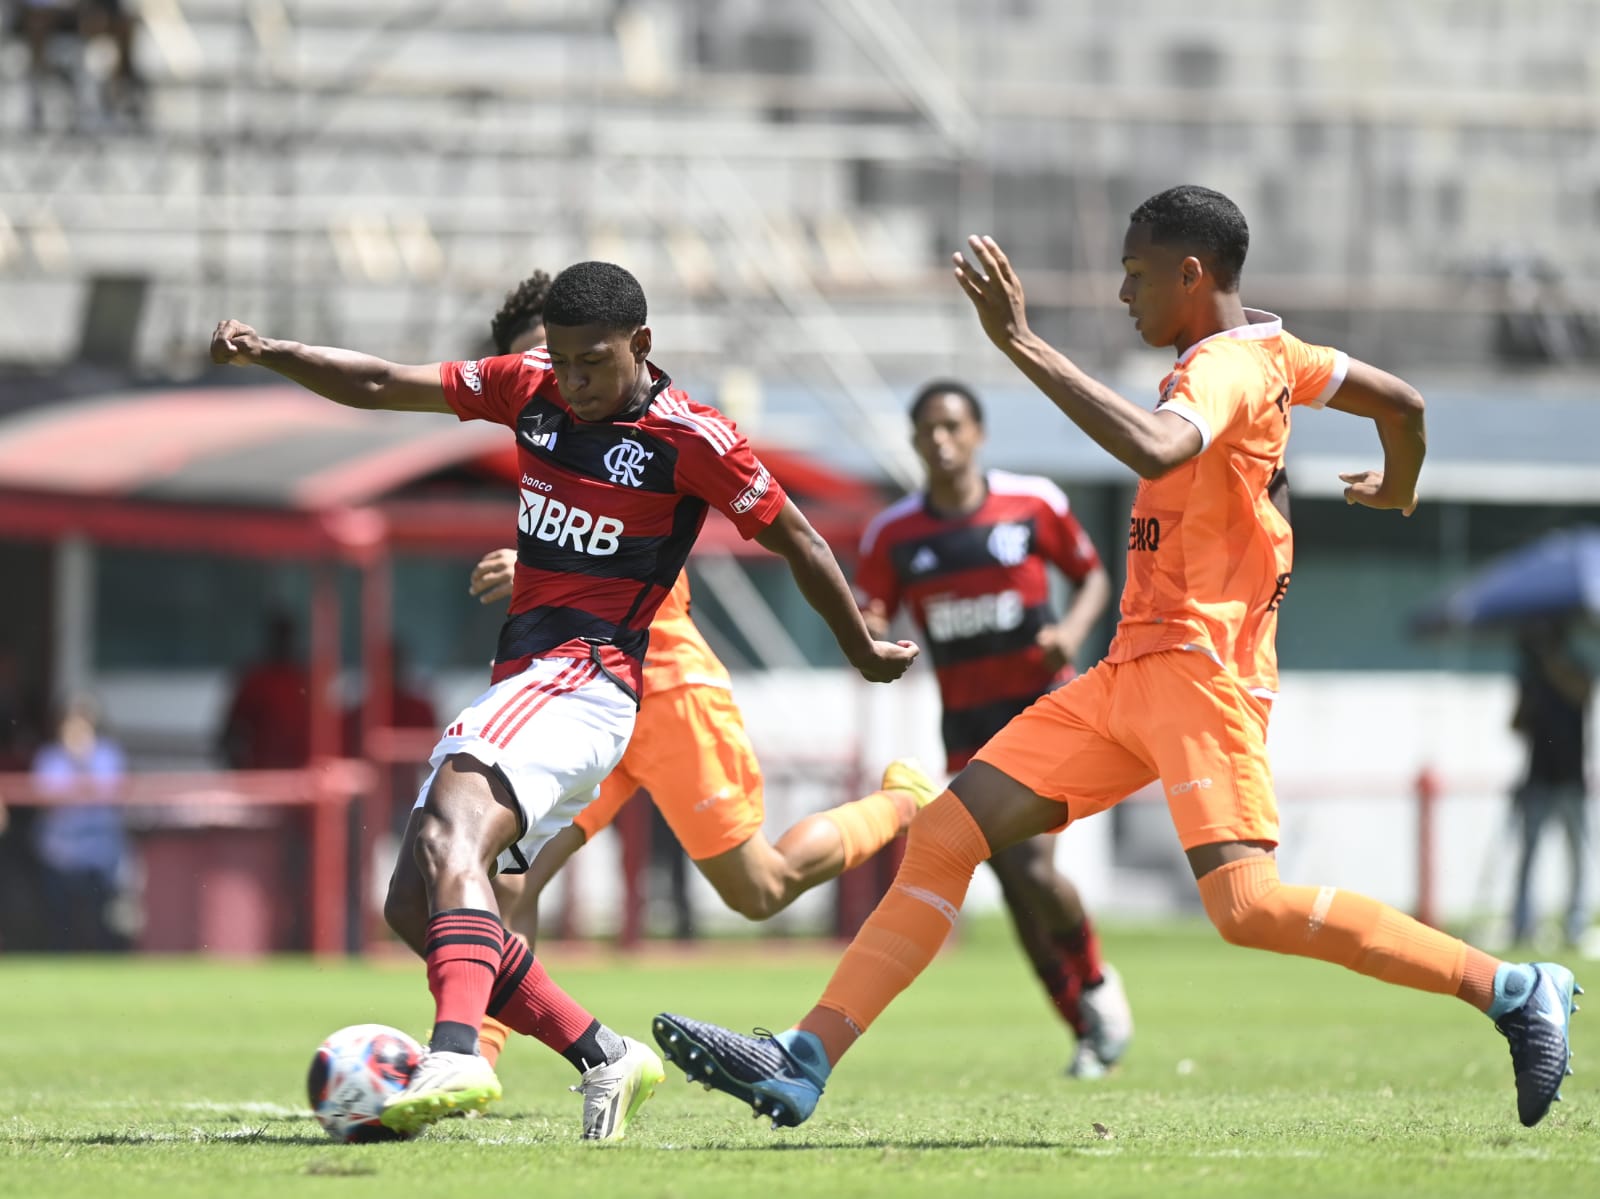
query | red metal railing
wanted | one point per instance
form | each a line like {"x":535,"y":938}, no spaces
{"x":327,"y":790}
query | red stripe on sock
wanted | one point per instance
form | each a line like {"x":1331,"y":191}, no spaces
{"x":538,"y":1007}
{"x":1083,"y":954}
{"x":461,"y":976}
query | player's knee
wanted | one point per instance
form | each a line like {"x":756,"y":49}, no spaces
{"x":943,"y":836}
{"x":440,"y":846}
{"x":1252,"y":923}
{"x":754,"y":899}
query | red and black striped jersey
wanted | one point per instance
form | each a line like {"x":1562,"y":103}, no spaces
{"x":978,"y":588}
{"x":608,"y":510}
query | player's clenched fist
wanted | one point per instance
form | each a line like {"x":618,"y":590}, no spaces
{"x":236,"y":342}
{"x":887,"y":661}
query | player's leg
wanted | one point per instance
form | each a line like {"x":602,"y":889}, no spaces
{"x":440,"y":903}
{"x":989,"y":806}
{"x":696,"y":760}
{"x":1064,"y":951}
{"x":518,"y":894}
{"x":1209,"y":740}
{"x":550,"y":734}
{"x":617,"y":1073}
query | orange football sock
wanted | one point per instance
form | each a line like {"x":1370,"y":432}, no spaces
{"x":492,"y":1039}
{"x":1477,"y":979}
{"x":867,"y":825}
{"x":900,"y":938}
{"x":1251,"y":907}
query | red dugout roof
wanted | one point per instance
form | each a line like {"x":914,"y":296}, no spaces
{"x":277,"y":472}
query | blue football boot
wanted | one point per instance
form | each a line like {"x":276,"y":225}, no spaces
{"x":780,"y":1077}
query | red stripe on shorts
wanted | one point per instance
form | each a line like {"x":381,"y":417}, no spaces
{"x":588,"y":676}
{"x":509,"y":710}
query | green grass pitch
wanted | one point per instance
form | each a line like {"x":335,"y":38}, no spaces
{"x":1251,"y":1075}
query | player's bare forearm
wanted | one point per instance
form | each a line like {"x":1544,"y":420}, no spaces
{"x":1405,"y":444}
{"x":1397,"y":409}
{"x":1140,"y":440}
{"x":344,"y":376}
{"x":356,"y":380}
{"x":816,"y":573}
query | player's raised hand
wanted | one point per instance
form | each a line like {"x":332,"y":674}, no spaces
{"x":888,"y":661}
{"x":492,"y":577}
{"x":1365,"y":487}
{"x":993,"y":288}
{"x":237,"y":343}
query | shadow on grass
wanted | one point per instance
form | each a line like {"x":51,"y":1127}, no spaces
{"x":879,"y":1144}
{"x":242,"y":1136}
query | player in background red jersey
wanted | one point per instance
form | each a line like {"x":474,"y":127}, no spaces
{"x":969,"y":559}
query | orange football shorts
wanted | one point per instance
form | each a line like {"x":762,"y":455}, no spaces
{"x":1176,"y":716}
{"x":690,"y":751}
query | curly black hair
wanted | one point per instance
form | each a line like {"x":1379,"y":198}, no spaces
{"x":595,"y":293}
{"x":1202,"y":221}
{"x":522,"y":310}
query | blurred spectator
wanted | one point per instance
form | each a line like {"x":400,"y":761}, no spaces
{"x":59,"y":34}
{"x":1554,"y":688}
{"x":82,"y":847}
{"x":268,"y":725}
{"x":409,"y":708}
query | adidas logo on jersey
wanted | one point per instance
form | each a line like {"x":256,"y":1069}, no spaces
{"x":539,"y":433}
{"x":545,"y":518}
{"x":924,"y":560}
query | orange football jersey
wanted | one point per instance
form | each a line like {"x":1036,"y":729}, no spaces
{"x":1209,"y":556}
{"x":678,"y":654}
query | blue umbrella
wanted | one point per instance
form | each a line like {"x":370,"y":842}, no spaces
{"x":1555,"y":576}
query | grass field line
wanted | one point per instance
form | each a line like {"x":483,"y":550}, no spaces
{"x":248,"y":1107}
{"x":1142,"y":1151}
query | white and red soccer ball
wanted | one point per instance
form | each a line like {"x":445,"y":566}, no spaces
{"x":353,"y":1072}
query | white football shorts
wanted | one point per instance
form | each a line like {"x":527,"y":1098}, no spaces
{"x":551,"y":733}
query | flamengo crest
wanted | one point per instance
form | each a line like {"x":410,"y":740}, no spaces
{"x":624,"y":462}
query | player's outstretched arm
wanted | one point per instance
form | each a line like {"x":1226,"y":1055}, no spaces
{"x":817,"y":574}
{"x":1396,"y":408}
{"x":343,"y":376}
{"x":1150,"y":443}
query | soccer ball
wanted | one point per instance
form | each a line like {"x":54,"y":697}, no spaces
{"x":354,"y":1071}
